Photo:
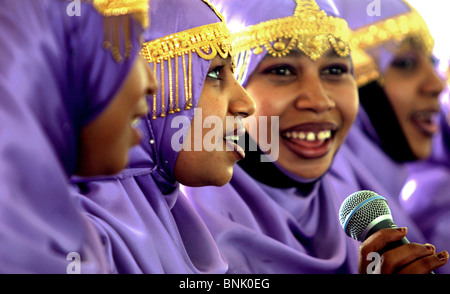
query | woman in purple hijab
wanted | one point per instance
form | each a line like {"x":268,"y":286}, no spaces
{"x":146,"y":223}
{"x":59,"y":90}
{"x":426,"y":194}
{"x":399,"y":89}
{"x":282,"y":216}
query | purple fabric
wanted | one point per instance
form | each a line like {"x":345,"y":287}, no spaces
{"x":55,"y":77}
{"x":262,"y":229}
{"x":361,"y":163}
{"x":147,"y":225}
{"x":265,"y":230}
{"x":426,"y":195}
{"x":239,"y":16}
{"x":357,"y":16}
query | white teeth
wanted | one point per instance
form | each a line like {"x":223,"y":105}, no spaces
{"x":324,"y":135}
{"x":309,"y":136}
{"x":232,"y":138}
{"x":135,"y":122}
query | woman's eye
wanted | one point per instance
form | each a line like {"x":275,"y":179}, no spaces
{"x":335,"y":70}
{"x":215,"y":73}
{"x":280,"y":71}
{"x":404,"y":63}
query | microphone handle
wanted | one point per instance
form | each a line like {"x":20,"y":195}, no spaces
{"x":386,"y":224}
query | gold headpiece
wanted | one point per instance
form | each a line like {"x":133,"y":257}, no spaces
{"x":407,"y":26}
{"x":116,"y":23}
{"x":206,"y":41}
{"x":310,"y":29}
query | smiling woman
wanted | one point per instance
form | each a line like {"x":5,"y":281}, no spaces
{"x":316,"y":105}
{"x":399,"y":89}
{"x":282,"y":217}
{"x":399,"y":92}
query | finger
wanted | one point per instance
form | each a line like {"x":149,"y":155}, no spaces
{"x":375,"y":243}
{"x":427,"y":264}
{"x":380,"y":239}
{"x":396,"y":259}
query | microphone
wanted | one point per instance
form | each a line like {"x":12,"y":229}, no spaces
{"x":365,"y":212}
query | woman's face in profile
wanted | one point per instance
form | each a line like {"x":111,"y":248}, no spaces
{"x":413,"y":86}
{"x":316,"y":102}
{"x":222,"y":97}
{"x":105,"y":142}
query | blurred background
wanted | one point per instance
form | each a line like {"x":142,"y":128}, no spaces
{"x":436,"y":13}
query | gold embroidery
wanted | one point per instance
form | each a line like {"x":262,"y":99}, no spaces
{"x":310,"y":29}
{"x":206,"y":41}
{"x":117,"y":23}
{"x":397,"y":29}
{"x":138,"y":8}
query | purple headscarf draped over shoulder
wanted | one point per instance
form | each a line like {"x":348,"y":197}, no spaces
{"x":55,"y":77}
{"x":362,"y":163}
{"x":267,"y":220}
{"x":147,"y":225}
{"x":426,"y":194}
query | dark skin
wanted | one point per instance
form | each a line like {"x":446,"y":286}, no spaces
{"x":411,"y":258}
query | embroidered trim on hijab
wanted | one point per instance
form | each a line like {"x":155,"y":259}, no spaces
{"x":207,"y":41}
{"x":116,"y":23}
{"x":408,"y":26}
{"x":310,"y":29}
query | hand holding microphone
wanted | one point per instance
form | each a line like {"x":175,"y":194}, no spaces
{"x":365,"y":216}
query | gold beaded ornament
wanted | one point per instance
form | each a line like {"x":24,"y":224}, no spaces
{"x":173,"y":53}
{"x":309,"y":29}
{"x":117,"y":15}
{"x":408,"y":26}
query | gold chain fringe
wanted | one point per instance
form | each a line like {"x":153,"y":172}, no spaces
{"x":206,"y":41}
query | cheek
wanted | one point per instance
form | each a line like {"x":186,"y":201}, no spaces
{"x":116,"y":146}
{"x":401,"y":98}
{"x":347,"y":106}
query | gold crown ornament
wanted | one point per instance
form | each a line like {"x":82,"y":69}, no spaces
{"x":117,"y":15}
{"x":309,"y":29}
{"x":173,"y":53}
{"x":404,"y":30}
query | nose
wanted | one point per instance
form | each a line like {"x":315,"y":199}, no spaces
{"x":242,"y":103}
{"x":312,"y":95}
{"x":432,"y":84}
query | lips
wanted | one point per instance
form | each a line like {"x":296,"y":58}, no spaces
{"x":231,"y":139}
{"x":426,"y":121}
{"x":310,"y":140}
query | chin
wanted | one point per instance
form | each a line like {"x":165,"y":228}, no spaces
{"x":219,"y":179}
{"x":309,"y":169}
{"x":422,"y":153}
{"x":113,"y":168}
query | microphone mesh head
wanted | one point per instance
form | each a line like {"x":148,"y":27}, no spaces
{"x":359,"y":210}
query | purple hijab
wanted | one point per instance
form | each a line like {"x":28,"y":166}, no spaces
{"x":426,"y":194}
{"x":362,"y":163}
{"x":146,"y":223}
{"x":55,"y":77}
{"x":267,"y":220}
